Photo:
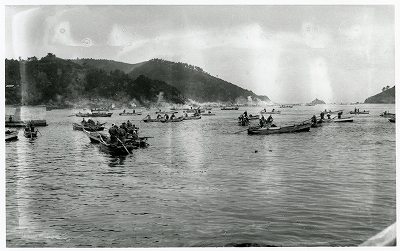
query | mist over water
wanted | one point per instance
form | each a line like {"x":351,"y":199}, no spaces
{"x":200,"y":184}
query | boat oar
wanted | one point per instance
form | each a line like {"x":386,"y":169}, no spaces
{"x":71,"y":115}
{"x":123,"y":145}
{"x":39,"y":132}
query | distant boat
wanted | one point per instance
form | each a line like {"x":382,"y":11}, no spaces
{"x":387,"y":114}
{"x":229,"y":108}
{"x":130,"y":113}
{"x":94,"y":114}
{"x":392,"y":119}
{"x":286,"y":106}
{"x":264,"y":111}
{"x":11,"y":135}
{"x":359,"y":112}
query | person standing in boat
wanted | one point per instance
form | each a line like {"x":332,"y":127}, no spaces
{"x":113,"y":133}
{"x":269,"y":120}
{"x":121,"y":133}
{"x":83,"y":121}
{"x":129,"y":124}
{"x":322,"y":114}
{"x":340,"y":115}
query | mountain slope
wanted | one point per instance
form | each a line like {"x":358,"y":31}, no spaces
{"x":385,"y":97}
{"x":193,"y":82}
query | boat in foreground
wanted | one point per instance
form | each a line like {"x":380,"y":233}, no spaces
{"x":392,"y":119}
{"x":28,"y":133}
{"x":88,"y":127}
{"x":11,"y":135}
{"x":387,"y":114}
{"x":301,"y":127}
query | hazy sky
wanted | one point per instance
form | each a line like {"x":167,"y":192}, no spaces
{"x":292,"y":54}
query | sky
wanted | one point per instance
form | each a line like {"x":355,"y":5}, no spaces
{"x":290,"y":53}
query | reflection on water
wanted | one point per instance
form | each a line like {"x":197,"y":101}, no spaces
{"x":199,"y":185}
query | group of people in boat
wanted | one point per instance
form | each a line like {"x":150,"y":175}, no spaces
{"x":244,"y":118}
{"x":89,"y":122}
{"x":265,"y":122}
{"x":120,"y":134}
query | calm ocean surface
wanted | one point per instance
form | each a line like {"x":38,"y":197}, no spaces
{"x":200,"y":185}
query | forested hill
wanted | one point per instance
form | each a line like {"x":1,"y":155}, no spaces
{"x":192,"y":81}
{"x":387,"y":96}
{"x":52,"y":80}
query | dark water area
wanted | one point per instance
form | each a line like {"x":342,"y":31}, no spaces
{"x":200,"y":184}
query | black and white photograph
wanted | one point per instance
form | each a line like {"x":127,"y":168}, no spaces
{"x":199,"y":125}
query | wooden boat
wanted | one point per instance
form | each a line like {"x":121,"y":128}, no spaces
{"x":117,"y":149}
{"x":302,"y":127}
{"x":343,"y":120}
{"x":286,"y":106}
{"x":318,"y":124}
{"x":387,"y":114}
{"x":208,"y":114}
{"x":146,"y":119}
{"x":94,"y":136}
{"x":331,"y":112}
{"x":229,"y":108}
{"x":164,"y":120}
{"x":191,"y":117}
{"x":392,"y":119}
{"x":94,"y":114}
{"x":88,"y":127}
{"x":271,"y":112}
{"x":359,"y":112}
{"x":130,"y":113}
{"x":28,"y":133}
{"x":11,"y":135}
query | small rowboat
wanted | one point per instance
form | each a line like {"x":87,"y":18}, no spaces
{"x":303,"y":127}
{"x":11,"y":135}
{"x":208,"y":114}
{"x":230,"y":108}
{"x":387,"y":114}
{"x":94,"y":114}
{"x":94,"y":136}
{"x":343,"y":120}
{"x":146,"y":119}
{"x":130,"y":113}
{"x":191,"y":117}
{"x":164,"y":120}
{"x":28,"y":133}
{"x":87,"y":127}
{"x":360,"y":112}
{"x":117,"y":149}
{"x":271,"y":112}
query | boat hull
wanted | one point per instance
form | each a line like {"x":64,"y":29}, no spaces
{"x":94,"y":114}
{"x":305,"y":127}
{"x":343,"y":120}
{"x":95,"y":128}
{"x":11,"y":135}
{"x":363,"y":112}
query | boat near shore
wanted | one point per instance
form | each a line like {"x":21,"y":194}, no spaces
{"x":300,"y":127}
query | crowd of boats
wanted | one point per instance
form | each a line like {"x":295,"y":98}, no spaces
{"x":123,"y":139}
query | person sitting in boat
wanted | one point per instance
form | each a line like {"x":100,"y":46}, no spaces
{"x":340,"y":115}
{"x":273,"y":109}
{"x":91,"y":122}
{"x":97,"y":123}
{"x":173,"y":116}
{"x":83,"y":121}
{"x":123,"y":111}
{"x":166,"y":116}
{"x":158,"y":116}
{"x":269,"y":120}
{"x":265,"y":110}
{"x":328,"y":115}
{"x":313,"y":119}
{"x":129,"y":124}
